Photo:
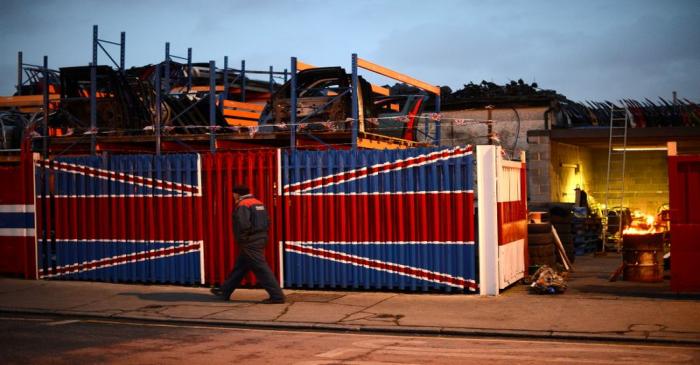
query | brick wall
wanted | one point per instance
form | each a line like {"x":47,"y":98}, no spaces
{"x":538,"y":168}
{"x":505,"y":126}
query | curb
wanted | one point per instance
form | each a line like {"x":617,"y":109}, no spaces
{"x":396,"y":330}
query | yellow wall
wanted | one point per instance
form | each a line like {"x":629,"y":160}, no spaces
{"x":563,"y":177}
{"x":646,"y":179}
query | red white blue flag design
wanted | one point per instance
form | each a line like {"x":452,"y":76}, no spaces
{"x":394,"y":219}
{"x":121,"y":218}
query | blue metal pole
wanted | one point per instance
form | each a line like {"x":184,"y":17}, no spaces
{"x":226,"y":83}
{"x":122,"y":53}
{"x":293,"y":106}
{"x":158,"y":113}
{"x":45,"y":125}
{"x":285,"y":75}
{"x":272,"y":81}
{"x":166,"y":81}
{"x":20,"y":68}
{"x":355,"y":102}
{"x":93,"y":90}
{"x":189,"y":69}
{"x":438,"y":124}
{"x":212,"y":106}
{"x":242,"y":80}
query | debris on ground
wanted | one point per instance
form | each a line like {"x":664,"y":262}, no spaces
{"x":547,"y":281}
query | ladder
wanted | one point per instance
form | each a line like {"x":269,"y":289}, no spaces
{"x":615,"y":181}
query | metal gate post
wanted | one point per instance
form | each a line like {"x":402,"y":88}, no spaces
{"x":189,"y":69}
{"x":19,"y":73}
{"x":293,"y":106}
{"x":226,"y":85}
{"x":487,"y":219}
{"x":438,"y":125}
{"x":243,"y":80}
{"x":212,"y":106}
{"x":158,"y":113}
{"x":122,"y":53}
{"x":45,"y":125}
{"x":355,"y":102}
{"x":93,"y":90}
{"x":272,"y":81}
{"x":166,"y":81}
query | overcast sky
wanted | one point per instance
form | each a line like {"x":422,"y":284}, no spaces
{"x":586,"y":50}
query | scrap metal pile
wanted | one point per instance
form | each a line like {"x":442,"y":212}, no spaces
{"x":663,"y":113}
{"x":547,"y":281}
{"x":567,"y":113}
{"x":487,"y":89}
{"x":126,"y":103}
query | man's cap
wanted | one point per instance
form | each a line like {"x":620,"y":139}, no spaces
{"x":241,"y":190}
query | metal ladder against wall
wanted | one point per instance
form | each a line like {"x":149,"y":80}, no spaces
{"x":615,"y":181}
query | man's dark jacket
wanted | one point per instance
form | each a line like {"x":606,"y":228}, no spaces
{"x":250,"y":221}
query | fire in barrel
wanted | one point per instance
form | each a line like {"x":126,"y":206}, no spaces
{"x":643,"y":253}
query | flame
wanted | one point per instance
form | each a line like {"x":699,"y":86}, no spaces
{"x":650,"y":220}
{"x":642,"y":224}
{"x":637,"y":230}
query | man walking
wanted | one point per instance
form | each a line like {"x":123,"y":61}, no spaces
{"x":250,"y":224}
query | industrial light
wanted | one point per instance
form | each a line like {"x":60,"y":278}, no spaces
{"x":637,"y":149}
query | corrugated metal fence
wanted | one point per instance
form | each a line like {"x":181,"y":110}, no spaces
{"x":120,"y":218}
{"x":393,"y":219}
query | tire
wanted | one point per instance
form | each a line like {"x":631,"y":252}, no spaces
{"x":539,"y":228}
{"x":543,"y":216}
{"x":541,"y":251}
{"x":535,"y":239}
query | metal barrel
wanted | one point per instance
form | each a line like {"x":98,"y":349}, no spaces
{"x":643,"y":257}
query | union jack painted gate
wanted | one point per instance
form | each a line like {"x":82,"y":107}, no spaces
{"x":511,"y":195}
{"x":502,"y":219}
{"x":393,"y":219}
{"x":120,"y":218}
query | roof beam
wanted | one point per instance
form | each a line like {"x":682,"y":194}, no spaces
{"x":375,"y":88}
{"x":367,"y":65}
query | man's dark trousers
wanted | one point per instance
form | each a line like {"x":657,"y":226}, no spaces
{"x":252,"y":258}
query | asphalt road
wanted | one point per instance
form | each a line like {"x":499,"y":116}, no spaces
{"x":62,"y":340}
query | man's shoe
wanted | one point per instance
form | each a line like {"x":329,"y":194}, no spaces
{"x":217,"y":292}
{"x":273,"y":301}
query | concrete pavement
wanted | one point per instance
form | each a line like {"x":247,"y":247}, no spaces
{"x":592,"y":308}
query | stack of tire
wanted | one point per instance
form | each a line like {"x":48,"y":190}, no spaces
{"x":541,"y":244}
{"x":561,"y":217}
